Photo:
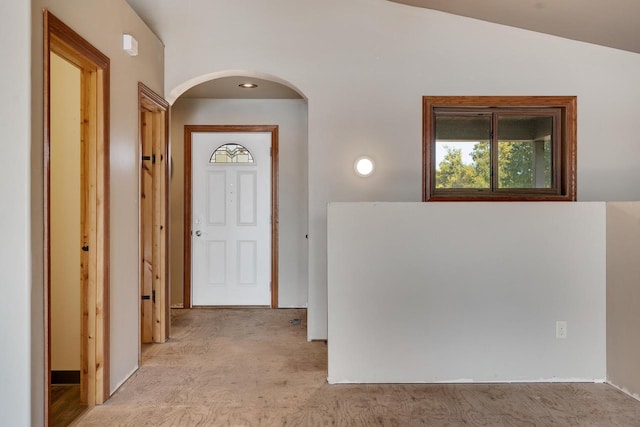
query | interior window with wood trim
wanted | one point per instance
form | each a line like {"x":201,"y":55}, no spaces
{"x":520,"y":148}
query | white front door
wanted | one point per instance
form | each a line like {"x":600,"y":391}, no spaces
{"x":231,"y":216}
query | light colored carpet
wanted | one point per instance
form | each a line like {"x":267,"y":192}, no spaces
{"x":252,"y":367}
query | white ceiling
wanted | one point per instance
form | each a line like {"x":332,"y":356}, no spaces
{"x":612,"y":23}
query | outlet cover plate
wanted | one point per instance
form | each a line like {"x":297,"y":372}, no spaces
{"x":561,"y":329}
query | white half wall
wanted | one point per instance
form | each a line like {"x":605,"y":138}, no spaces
{"x":466,"y":292}
{"x":291,"y":117}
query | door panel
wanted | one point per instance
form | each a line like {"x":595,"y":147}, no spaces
{"x":217,"y":262}
{"x":247,"y":198}
{"x":247,"y":262}
{"x":231,"y":231}
{"x":217,"y":198}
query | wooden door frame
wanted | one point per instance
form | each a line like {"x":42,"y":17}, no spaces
{"x":188,"y":131}
{"x":150,"y":102}
{"x":94,"y":67}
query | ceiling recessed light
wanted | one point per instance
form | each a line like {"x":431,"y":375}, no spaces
{"x":248,"y":85}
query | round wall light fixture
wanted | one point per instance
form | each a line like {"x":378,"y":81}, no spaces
{"x":248,"y":85}
{"x":364,"y":166}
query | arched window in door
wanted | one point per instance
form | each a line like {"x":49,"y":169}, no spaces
{"x":231,"y":153}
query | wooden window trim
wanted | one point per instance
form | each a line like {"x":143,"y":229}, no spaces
{"x":567,"y":156}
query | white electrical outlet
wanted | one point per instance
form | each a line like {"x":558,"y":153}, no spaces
{"x":561,"y":329}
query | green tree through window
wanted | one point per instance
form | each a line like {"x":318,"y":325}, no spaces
{"x":515,"y":160}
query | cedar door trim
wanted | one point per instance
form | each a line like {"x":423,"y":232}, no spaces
{"x":154,"y":135}
{"x":95,"y":71}
{"x":188,"y":131}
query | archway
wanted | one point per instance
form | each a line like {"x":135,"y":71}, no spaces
{"x":180,"y":90}
{"x":193,"y":105}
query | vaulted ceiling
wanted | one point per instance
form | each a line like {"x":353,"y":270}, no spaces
{"x":612,"y":23}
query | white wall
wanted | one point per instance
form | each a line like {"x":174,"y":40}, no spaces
{"x":364,"y":66}
{"x":449,"y":292}
{"x":101,"y":23}
{"x":15,"y":262}
{"x":623,"y":295}
{"x":65,"y":215}
{"x":291,"y":117}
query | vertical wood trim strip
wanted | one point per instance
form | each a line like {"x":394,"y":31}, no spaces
{"x":84,"y":298}
{"x":426,"y":148}
{"x":85,"y":199}
{"x":146,"y":265}
{"x":156,"y":230}
{"x":47,"y":216}
{"x":186,"y":236}
{"x":140,"y":225}
{"x":275,"y":218}
{"x":90,"y":138}
{"x":104,"y":75}
{"x":167,"y":221}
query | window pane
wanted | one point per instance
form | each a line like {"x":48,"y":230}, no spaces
{"x":524,"y":151}
{"x":462,"y":152}
{"x":528,"y":154}
{"x":231,"y":153}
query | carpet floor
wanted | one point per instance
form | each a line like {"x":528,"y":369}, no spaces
{"x":254,"y":367}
